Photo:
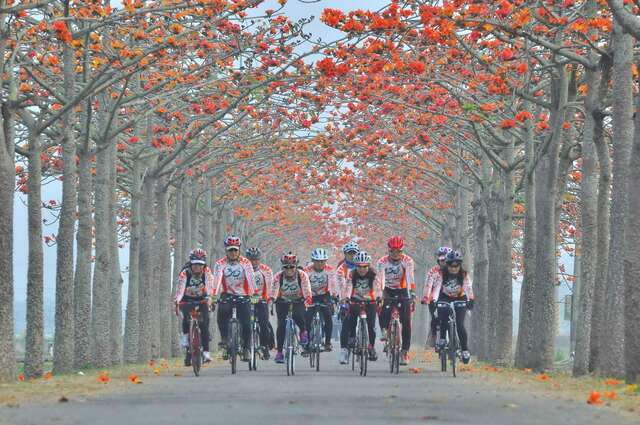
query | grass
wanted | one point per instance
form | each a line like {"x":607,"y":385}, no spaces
{"x":87,"y":383}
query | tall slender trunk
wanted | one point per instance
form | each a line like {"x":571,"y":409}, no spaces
{"x":131,"y":328}
{"x":178,"y":261}
{"x":480,"y":276}
{"x":588,"y":230}
{"x":163,"y":257}
{"x":623,"y":128}
{"x":146,"y":349}
{"x":63,"y":349}
{"x":82,"y":278}
{"x":101,"y":294}
{"x":598,"y":324}
{"x":33,"y":358}
{"x":115,"y":274}
{"x":493,"y":287}
{"x":631,"y":267}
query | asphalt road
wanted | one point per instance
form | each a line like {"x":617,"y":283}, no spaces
{"x":335,"y":395}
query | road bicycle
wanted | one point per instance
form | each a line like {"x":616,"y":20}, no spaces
{"x":451,"y":347}
{"x":291,"y":342}
{"x":393,"y":342}
{"x":254,"y":343}
{"x":361,"y":344}
{"x":194,"y":349}
{"x":316,"y":335}
{"x":234,"y":346}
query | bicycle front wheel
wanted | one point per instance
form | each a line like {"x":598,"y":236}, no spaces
{"x":363,"y":342}
{"x":195,"y":349}
{"x":396,"y":347}
{"x":453,"y":346}
{"x":253,"y":352}
{"x":234,"y":345}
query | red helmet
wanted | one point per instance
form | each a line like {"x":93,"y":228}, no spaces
{"x":289,"y":259}
{"x":232,"y":241}
{"x":396,"y":242}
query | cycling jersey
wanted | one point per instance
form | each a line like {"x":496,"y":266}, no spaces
{"x":451,"y":287}
{"x":192,"y":287}
{"x":322,"y":282}
{"x":235,"y":278}
{"x":397,"y":274}
{"x":342,"y":272}
{"x":367,"y":287}
{"x":292,"y":288}
{"x":264,"y":281}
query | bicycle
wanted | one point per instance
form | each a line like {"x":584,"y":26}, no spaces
{"x":195,"y":336}
{"x":234,"y":345}
{"x":316,"y":335}
{"x":291,"y":341}
{"x":393,"y":343}
{"x":361,"y":348}
{"x":451,"y":347}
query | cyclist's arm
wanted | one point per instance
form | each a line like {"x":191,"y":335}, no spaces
{"x":437,"y":285}
{"x":182,"y":282}
{"x":268,"y":281}
{"x":467,"y":286}
{"x":378,"y":285}
{"x":250,"y":276}
{"x":428,"y":285}
{"x":410,"y":274}
{"x":333,"y":284}
{"x":347,"y":287}
{"x":208,"y":279}
{"x":217,"y":280}
{"x":306,"y":286}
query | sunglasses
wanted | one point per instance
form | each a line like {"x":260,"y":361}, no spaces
{"x":288,"y":267}
{"x":233,"y":249}
{"x":454,"y":266}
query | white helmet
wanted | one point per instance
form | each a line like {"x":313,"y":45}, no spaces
{"x":351,"y":246}
{"x":319,"y":254}
{"x":362,"y":258}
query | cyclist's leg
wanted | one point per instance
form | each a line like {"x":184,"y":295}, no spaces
{"x":282,"y":310}
{"x":461,"y":312}
{"x":405,"y":320}
{"x":204,"y":326}
{"x":371,"y":323}
{"x":434,"y":320}
{"x":224,"y":314}
{"x":262,"y":316}
{"x":308,"y":316}
{"x":354,"y":312}
{"x":244,"y":317}
{"x":443,"y":315}
{"x":186,"y":314}
{"x":385,"y":315}
{"x":298,"y":315}
{"x":328,"y":324}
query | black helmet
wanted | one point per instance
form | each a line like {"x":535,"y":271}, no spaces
{"x":253,"y":253}
{"x":454,"y":257}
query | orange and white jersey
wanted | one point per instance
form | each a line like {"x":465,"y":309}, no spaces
{"x":397,"y":274}
{"x":297,"y":287}
{"x":342,"y":272}
{"x":322,"y":282}
{"x":450,"y":286}
{"x":264,"y":281}
{"x":193,"y":287}
{"x":235,"y":278}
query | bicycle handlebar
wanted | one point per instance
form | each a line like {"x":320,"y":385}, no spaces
{"x":452,"y":303}
{"x":194,"y":303}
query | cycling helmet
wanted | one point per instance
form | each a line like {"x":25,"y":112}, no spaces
{"x":351,"y":247}
{"x":362,"y":258}
{"x":319,"y":254}
{"x":396,"y":242}
{"x":253,"y":253}
{"x":289,"y":259}
{"x":443,"y":251}
{"x":454,"y":257}
{"x":232,"y":241}
{"x":198,"y":256}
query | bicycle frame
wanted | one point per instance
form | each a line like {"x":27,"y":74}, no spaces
{"x":452,"y":345}
{"x":361,"y":350}
{"x":233,"y":346}
{"x":316,"y":335}
{"x":394,"y":333}
{"x":195,"y":335}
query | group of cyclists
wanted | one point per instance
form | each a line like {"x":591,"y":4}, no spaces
{"x":354,"y":284}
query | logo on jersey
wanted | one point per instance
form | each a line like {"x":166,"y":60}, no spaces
{"x":452,"y":287}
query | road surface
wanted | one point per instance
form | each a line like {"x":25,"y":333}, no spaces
{"x":335,"y":395}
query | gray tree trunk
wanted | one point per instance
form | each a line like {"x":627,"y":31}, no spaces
{"x":102,"y":287}
{"x":82,"y":278}
{"x":612,"y":364}
{"x":33,"y":357}
{"x":631,"y":267}
{"x":146,"y":349}
{"x":480,"y":277}
{"x":588,"y":230}
{"x":63,"y":351}
{"x":115,"y":274}
{"x":178,"y":261}
{"x":163,"y":257}
{"x":131,"y":328}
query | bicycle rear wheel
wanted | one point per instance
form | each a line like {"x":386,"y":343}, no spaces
{"x":396,"y":347}
{"x":253,"y":347}
{"x":443,"y":359}
{"x":234,"y":345}
{"x":290,"y":353}
{"x":195,"y":349}
{"x":364,"y":352}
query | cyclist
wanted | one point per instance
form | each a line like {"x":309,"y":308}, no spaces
{"x":233,"y":276}
{"x":290,"y":285}
{"x":323,"y":287}
{"x":453,"y":284}
{"x":441,"y":255}
{"x":195,"y":283}
{"x":264,"y":283}
{"x":396,"y":270}
{"x":363,"y":284}
{"x":346,"y":265}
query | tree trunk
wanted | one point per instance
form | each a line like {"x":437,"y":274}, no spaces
{"x":631,"y":267}
{"x":178,"y":261}
{"x":612,"y":364}
{"x":115,"y":274}
{"x":63,"y":351}
{"x":147,"y":300}
{"x":480,"y":277}
{"x":588,"y":231}
{"x":131,"y":328}
{"x":33,"y":357}
{"x":102,"y":299}
{"x":163,"y":257}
